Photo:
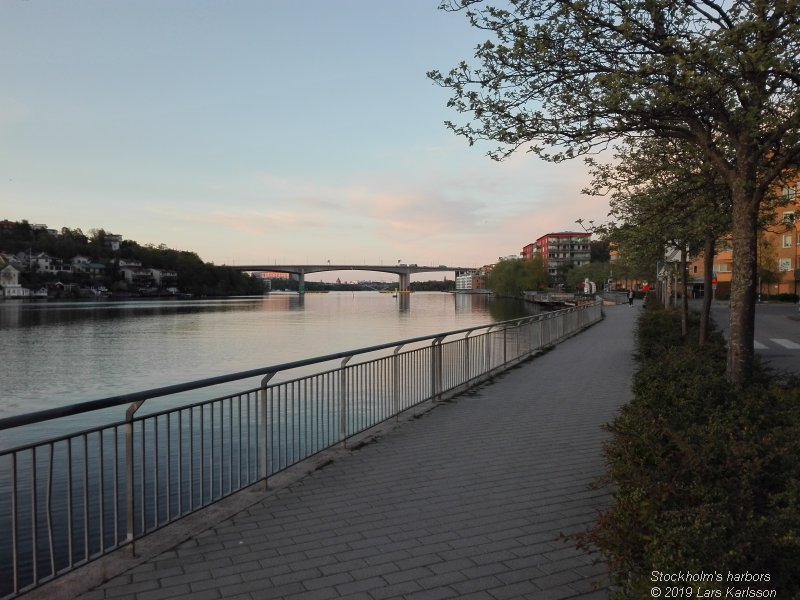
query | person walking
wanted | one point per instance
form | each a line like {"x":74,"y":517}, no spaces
{"x":630,"y":297}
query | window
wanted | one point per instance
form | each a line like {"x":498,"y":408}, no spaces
{"x":784,"y":264}
{"x":787,"y":240}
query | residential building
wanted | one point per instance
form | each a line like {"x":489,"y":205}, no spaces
{"x":528,"y":251}
{"x":781,"y":243}
{"x":560,"y":251}
{"x":79,"y":262}
{"x":94,"y":269}
{"x":45,"y":228}
{"x":113,"y":241}
{"x":129,"y":262}
{"x":138,"y":276}
{"x":9,"y":283}
{"x":785,"y":241}
{"x":44,"y":263}
{"x":13,"y":259}
{"x":470,"y":280}
{"x":164,"y":278}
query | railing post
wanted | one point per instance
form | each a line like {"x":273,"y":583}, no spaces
{"x":488,"y":351}
{"x":505,"y":345}
{"x":129,"y":504}
{"x":263,"y":438}
{"x":343,"y":402}
{"x":396,"y":381}
{"x":466,"y":358}
{"x":436,"y":369}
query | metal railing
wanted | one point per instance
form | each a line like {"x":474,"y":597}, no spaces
{"x":69,"y":499}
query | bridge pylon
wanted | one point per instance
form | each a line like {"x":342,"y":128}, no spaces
{"x":405,"y":282}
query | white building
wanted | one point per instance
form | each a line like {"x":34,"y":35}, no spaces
{"x":113,"y":240}
{"x":164,"y":277}
{"x":44,"y":263}
{"x":470,"y":280}
{"x":9,"y":284}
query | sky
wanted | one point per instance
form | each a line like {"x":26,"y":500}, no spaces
{"x":263,"y":131}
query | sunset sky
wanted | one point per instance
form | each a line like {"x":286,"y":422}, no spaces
{"x":262,"y":131}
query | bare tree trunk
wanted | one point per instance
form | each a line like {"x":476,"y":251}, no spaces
{"x":743,"y":285}
{"x":709,"y":247}
{"x":684,"y":289}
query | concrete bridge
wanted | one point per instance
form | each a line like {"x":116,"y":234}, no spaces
{"x":402,"y":270}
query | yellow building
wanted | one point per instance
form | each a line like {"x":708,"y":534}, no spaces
{"x":779,"y":247}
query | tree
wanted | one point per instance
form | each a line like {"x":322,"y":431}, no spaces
{"x":564,"y":78}
{"x":597,"y":272}
{"x":600,"y":251}
{"x":666,"y":196}
{"x":512,"y":277}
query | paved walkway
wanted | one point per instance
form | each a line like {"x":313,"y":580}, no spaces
{"x":469,"y":501}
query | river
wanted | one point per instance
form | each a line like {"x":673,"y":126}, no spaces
{"x":58,"y":353}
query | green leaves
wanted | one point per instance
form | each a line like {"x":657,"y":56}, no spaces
{"x":705,"y":477}
{"x":512,"y":277}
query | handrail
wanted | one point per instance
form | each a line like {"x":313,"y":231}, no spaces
{"x":112,"y":401}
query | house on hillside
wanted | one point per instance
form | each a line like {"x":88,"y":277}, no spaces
{"x":164,"y":277}
{"x":44,"y":263}
{"x":9,"y":283}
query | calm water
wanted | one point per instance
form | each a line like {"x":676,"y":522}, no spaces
{"x":56,"y":353}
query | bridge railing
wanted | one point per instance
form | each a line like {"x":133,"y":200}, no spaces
{"x":69,"y":499}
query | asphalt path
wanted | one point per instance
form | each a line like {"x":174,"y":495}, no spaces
{"x":777,"y":331}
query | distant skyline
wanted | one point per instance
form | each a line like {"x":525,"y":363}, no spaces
{"x":262,"y":132}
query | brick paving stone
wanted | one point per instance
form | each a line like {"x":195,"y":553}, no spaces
{"x":164,"y":592}
{"x":397,"y":589}
{"x":321,"y":594}
{"x":470,"y":500}
{"x":408,"y":575}
{"x":206,"y":595}
{"x":214,"y":582}
{"x":328,"y":581}
{"x":512,"y":590}
{"x":439,"y":593}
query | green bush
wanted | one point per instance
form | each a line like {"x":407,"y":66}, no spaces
{"x":705,"y":478}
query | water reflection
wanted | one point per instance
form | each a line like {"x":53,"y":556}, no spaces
{"x":38,"y":313}
{"x":57,"y":353}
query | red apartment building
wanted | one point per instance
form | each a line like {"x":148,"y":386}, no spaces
{"x":560,"y":251}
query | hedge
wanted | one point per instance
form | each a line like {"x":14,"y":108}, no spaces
{"x":705,"y":479}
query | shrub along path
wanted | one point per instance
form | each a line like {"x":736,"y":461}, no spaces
{"x":469,"y":501}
